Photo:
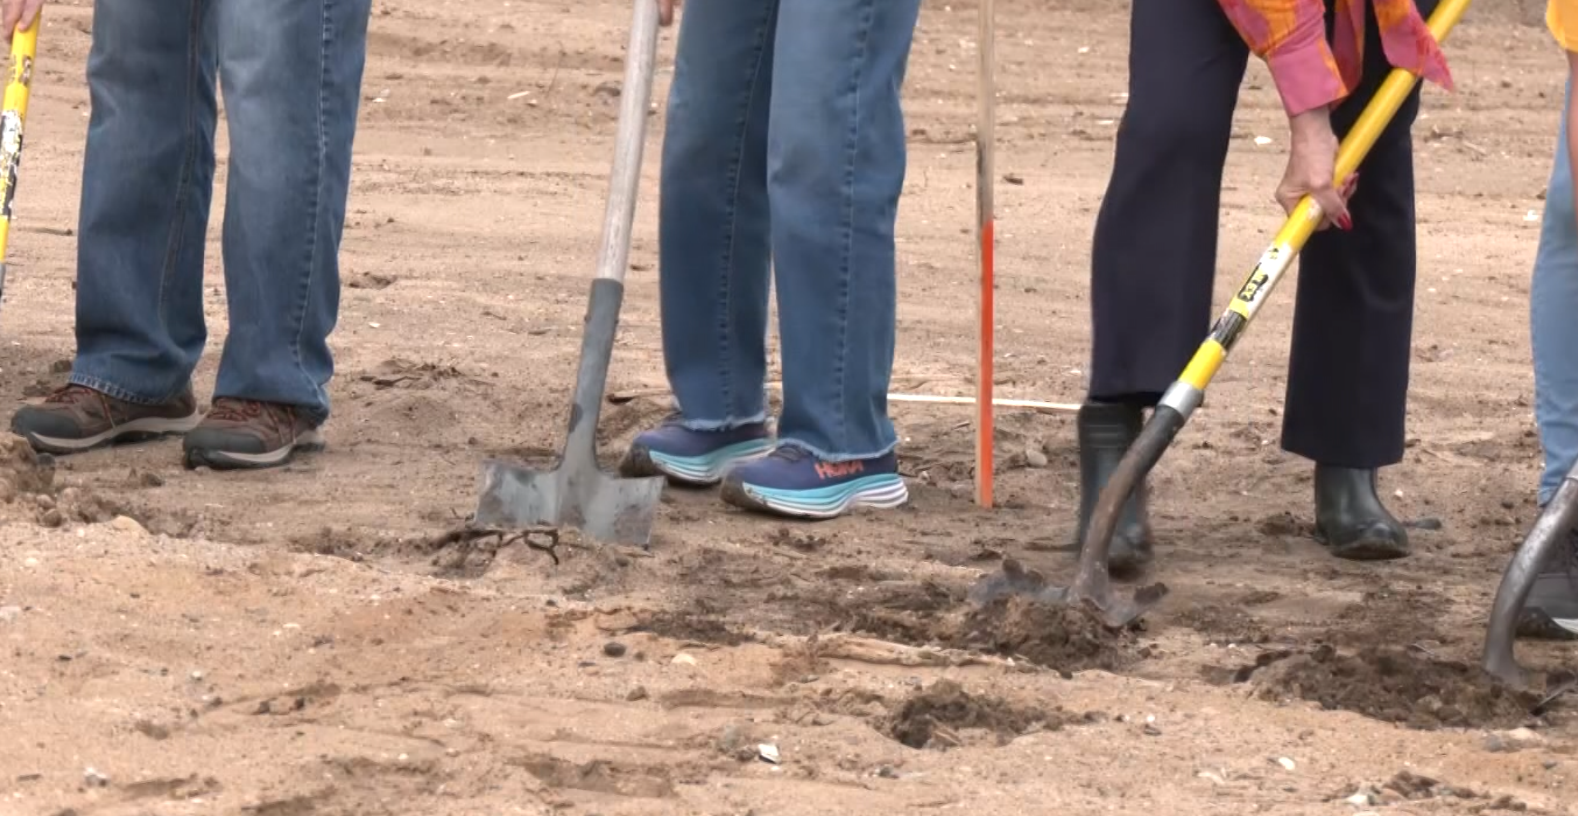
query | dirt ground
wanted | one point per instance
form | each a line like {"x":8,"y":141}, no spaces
{"x":305,"y":642}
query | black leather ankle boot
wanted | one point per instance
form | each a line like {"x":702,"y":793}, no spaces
{"x":1105,"y":433}
{"x":1350,"y":519}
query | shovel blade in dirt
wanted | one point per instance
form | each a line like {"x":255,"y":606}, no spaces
{"x":576,"y":493}
{"x":1550,"y":531}
{"x":607,"y":509}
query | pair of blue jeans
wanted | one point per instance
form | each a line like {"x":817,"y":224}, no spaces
{"x":1553,"y":320}
{"x":291,"y":74}
{"x":783,"y":161}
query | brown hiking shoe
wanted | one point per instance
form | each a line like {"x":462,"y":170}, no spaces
{"x":250,"y":434}
{"x":77,"y":418}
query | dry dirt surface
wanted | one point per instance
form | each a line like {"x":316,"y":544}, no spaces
{"x":310,"y":642}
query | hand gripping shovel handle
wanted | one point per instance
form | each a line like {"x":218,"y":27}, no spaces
{"x":24,"y":45}
{"x":1184,"y":396}
{"x":613,"y":256}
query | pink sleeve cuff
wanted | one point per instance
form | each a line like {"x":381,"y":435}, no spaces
{"x":1306,"y":76}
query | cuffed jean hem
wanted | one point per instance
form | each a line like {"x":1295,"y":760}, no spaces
{"x":726,"y":424}
{"x":116,"y":392}
{"x":827,"y":456}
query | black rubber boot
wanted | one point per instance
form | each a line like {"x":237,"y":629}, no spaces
{"x":1105,"y":433}
{"x":1551,"y":612}
{"x":1350,"y":519}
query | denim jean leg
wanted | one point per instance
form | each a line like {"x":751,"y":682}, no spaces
{"x":147,"y":178}
{"x":291,"y":75}
{"x":836,"y":162}
{"x":713,"y":216}
{"x":1554,"y":302}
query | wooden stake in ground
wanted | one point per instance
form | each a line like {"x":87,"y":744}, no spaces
{"x":985,"y":221}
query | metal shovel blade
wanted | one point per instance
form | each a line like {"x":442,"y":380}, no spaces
{"x":1092,"y":587}
{"x":575,"y":494}
{"x":1093,"y":583}
{"x":1549,"y":532}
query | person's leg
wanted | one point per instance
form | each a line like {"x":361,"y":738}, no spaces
{"x":1154,"y":255}
{"x":1348,"y":370}
{"x":147,"y":177}
{"x":291,"y":75}
{"x":1551,"y":611}
{"x":835,"y":171}
{"x":713,"y":223}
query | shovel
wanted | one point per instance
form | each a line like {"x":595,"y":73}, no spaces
{"x":576,"y":493}
{"x":24,"y":46}
{"x":1092,"y":585}
{"x":1549,"y":532}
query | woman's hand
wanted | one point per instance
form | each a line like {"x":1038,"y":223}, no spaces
{"x":1312,"y":166}
{"x":19,"y":14}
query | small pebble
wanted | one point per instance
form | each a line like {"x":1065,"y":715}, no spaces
{"x":1287,"y":764}
{"x":683,"y":659}
{"x":614,"y":648}
{"x":637,"y":693}
{"x":127,"y":524}
{"x":94,"y":779}
{"x":1509,"y":741}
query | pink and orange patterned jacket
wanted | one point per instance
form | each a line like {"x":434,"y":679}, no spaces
{"x":1309,"y":71}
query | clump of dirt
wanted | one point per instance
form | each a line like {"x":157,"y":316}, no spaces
{"x":1407,"y":786}
{"x":29,"y":493}
{"x":599,"y":776}
{"x":1066,"y":638}
{"x":695,"y":627}
{"x":797,"y":540}
{"x":22,"y":472}
{"x":400,"y":373}
{"x":1391,"y":685}
{"x":1222,"y":624}
{"x":934,"y":716}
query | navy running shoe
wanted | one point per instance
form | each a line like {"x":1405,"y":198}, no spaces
{"x":794,"y":482}
{"x":693,"y":458}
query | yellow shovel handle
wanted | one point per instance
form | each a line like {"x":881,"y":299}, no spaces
{"x":24,"y":45}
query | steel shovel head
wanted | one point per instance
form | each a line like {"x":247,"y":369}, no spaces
{"x":1115,"y":610}
{"x":1112,"y":609}
{"x":605,"y":508}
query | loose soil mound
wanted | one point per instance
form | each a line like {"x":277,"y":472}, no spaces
{"x":1392,"y":685}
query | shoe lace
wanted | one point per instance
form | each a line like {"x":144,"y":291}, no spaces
{"x":227,"y":409}
{"x":71,"y":395}
{"x":234,"y":410}
{"x":789,"y":453}
{"x":74,"y":395}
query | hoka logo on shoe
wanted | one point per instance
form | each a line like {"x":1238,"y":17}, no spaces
{"x":834,"y":470}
